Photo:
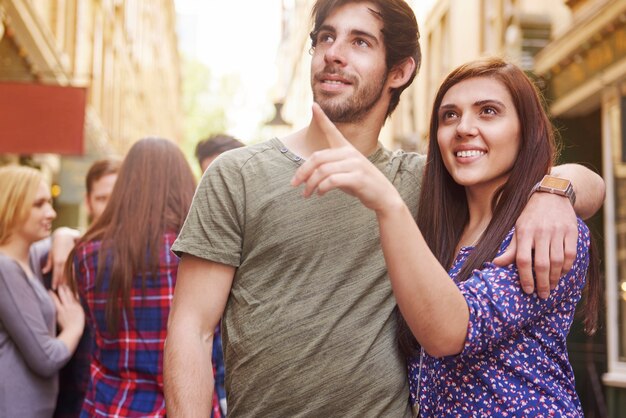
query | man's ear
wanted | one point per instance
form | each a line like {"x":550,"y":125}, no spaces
{"x":401,"y":73}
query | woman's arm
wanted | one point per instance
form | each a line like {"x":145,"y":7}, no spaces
{"x":499,"y":308}
{"x":70,"y":316}
{"x":20,"y":313}
{"x":432,"y":305}
{"x":430,"y":302}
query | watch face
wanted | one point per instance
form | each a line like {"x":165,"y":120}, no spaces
{"x":555,"y":183}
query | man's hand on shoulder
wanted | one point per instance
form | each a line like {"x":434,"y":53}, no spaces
{"x":545,"y":239}
{"x":63,"y":241}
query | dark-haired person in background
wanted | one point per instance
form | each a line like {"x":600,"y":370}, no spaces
{"x":99,"y":183}
{"x":210,"y":148}
{"x":74,"y":376}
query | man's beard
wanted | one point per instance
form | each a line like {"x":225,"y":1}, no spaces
{"x":354,"y":108}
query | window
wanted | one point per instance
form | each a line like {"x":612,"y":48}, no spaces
{"x":614,"y":129}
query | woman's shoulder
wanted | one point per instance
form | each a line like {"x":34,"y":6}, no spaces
{"x":40,"y":249}
{"x":86,"y":249}
{"x":10,"y":270}
{"x":5,"y":261}
{"x":584,"y":233}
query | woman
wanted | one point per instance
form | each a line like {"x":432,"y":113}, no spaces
{"x":31,"y":352}
{"x":125,"y":273}
{"x":487,"y":348}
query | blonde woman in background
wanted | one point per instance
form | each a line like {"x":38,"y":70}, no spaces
{"x":31,"y":352}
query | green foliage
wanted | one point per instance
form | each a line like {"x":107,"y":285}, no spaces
{"x":205,"y":100}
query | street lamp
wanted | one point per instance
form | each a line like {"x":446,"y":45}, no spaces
{"x":278,"y":119}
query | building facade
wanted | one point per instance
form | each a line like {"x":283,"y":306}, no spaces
{"x":455,"y":31}
{"x":293,"y":88}
{"x":123,"y":52}
{"x":585,"y":73}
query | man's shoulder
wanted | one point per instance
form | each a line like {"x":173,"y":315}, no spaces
{"x":239,"y":157}
{"x":411,"y":162}
{"x":408,"y":157}
{"x":251,"y":165}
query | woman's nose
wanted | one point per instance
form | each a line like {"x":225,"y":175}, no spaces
{"x":466,"y":126}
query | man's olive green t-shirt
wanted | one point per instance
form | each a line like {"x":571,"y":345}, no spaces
{"x":309,"y":328}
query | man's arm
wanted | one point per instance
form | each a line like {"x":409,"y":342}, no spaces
{"x":547,"y":229}
{"x":202,"y":289}
{"x":588,"y":186}
{"x":63,"y":240}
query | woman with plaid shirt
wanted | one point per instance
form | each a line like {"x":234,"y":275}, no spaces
{"x":125,"y":273}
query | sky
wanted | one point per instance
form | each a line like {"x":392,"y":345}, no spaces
{"x":238,"y":37}
{"x":241,"y":37}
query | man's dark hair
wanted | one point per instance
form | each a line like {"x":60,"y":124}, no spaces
{"x":400,"y":34}
{"x":100,"y":169}
{"x":214,"y":145}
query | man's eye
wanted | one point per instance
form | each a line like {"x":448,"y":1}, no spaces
{"x":325,"y":38}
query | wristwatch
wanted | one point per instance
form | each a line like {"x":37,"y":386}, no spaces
{"x":555,"y":185}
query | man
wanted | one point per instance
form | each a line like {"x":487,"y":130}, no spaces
{"x":74,"y":376}
{"x":210,"y":148}
{"x":99,"y":183}
{"x":309,"y":318}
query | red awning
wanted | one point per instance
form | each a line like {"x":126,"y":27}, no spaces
{"x":41,"y":119}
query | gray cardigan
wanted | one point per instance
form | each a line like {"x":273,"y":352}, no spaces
{"x":30,"y":353}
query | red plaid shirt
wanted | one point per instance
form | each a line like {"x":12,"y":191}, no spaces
{"x":127,"y":367}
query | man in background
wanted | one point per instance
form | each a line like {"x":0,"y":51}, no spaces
{"x":99,"y":183}
{"x":210,"y":148}
{"x":74,"y":376}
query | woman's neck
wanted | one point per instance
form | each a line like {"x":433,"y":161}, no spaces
{"x":480,"y":214}
{"x":17,"y":249}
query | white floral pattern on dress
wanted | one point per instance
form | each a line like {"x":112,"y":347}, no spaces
{"x":514,"y":362}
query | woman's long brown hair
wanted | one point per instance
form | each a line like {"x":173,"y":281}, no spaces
{"x":152,"y":196}
{"x":443,"y":211}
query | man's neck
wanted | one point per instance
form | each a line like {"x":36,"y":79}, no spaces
{"x":363,"y":136}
